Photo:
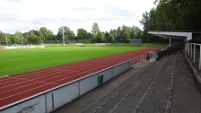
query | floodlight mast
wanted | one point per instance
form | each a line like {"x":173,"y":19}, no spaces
{"x":63,"y":37}
{"x":22,"y":40}
{"x":63,"y":32}
{"x":6,"y":40}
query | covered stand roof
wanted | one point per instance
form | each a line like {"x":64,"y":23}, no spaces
{"x":174,"y":35}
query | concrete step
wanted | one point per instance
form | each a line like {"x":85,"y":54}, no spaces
{"x":161,"y":87}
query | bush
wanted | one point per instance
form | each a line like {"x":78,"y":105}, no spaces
{"x":197,"y":39}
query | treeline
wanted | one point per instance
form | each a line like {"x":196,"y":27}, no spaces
{"x":44,"y":35}
{"x":172,"y":15}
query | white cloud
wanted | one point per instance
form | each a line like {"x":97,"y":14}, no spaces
{"x":24,"y":15}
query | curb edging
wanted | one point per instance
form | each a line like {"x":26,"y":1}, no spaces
{"x":196,"y":76}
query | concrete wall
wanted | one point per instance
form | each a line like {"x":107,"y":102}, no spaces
{"x":51,"y":100}
{"x":107,"y":74}
{"x":35,"y":105}
{"x":88,"y":83}
{"x":21,"y":47}
{"x":1,"y":47}
{"x":116,"y":70}
{"x":125,"y":66}
{"x":61,"y":96}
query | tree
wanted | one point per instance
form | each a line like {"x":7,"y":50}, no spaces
{"x":18,"y":38}
{"x":90,"y":36}
{"x":34,"y":37}
{"x":119,"y":33}
{"x":46,"y":34}
{"x":2,"y":38}
{"x":100,"y":37}
{"x":113,"y":34}
{"x":82,"y":34}
{"x":126,"y":33}
{"x":136,"y":32}
{"x":145,"y":21}
{"x":95,"y":29}
{"x":25,"y":37}
{"x":68,"y":34}
{"x":173,"y":15}
{"x":152,"y":19}
{"x":108,"y":39}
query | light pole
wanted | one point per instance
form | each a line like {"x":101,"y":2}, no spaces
{"x":22,"y":40}
{"x":63,"y":37}
{"x":42,"y":39}
{"x":63,"y":31}
{"x":6,"y":40}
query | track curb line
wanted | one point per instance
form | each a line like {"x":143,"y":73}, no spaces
{"x":196,"y":76}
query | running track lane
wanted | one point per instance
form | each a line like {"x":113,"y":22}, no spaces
{"x":20,"y":86}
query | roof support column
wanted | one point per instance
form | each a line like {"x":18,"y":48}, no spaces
{"x":188,"y":51}
{"x":191,"y":46}
{"x":200,"y":59}
{"x":170,"y":41}
{"x":194,"y":52}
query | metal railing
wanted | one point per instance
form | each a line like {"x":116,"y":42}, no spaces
{"x":139,"y":59}
{"x":171,"y":49}
{"x":190,"y":48}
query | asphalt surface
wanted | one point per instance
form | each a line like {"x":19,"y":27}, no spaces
{"x":165,"y":86}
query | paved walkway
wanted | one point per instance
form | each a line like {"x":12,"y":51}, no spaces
{"x":165,"y":86}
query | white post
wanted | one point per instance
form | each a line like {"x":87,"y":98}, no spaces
{"x":22,"y":40}
{"x":185,"y":47}
{"x":170,"y":41}
{"x":194,"y":52}
{"x":200,"y":59}
{"x":63,"y":31}
{"x":188,"y":49}
{"x":191,"y":50}
{"x":63,"y":37}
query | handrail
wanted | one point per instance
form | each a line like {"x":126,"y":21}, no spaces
{"x":190,"y":48}
{"x":171,"y":49}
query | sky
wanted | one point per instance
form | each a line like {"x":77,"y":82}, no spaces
{"x":25,"y":15}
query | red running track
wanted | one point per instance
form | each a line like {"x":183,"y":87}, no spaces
{"x":21,"y":86}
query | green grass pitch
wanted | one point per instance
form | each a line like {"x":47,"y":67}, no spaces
{"x":24,"y":60}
